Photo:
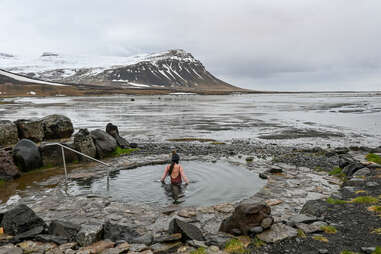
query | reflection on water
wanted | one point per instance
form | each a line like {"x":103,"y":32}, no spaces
{"x":154,"y":118}
{"x":210,"y":183}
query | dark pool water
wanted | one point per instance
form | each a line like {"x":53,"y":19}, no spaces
{"x":211,"y":183}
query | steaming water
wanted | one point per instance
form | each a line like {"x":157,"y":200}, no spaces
{"x":211,"y":183}
{"x":355,"y":118}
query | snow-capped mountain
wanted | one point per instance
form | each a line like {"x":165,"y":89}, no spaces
{"x":175,"y":69}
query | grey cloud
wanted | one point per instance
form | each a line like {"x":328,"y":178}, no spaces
{"x":259,"y":44}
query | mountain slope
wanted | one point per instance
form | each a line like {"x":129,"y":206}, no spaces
{"x":173,"y":69}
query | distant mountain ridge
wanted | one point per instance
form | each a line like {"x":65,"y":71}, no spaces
{"x":173,"y":69}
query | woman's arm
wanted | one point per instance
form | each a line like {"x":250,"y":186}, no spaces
{"x":165,"y":173}
{"x":183,"y":175}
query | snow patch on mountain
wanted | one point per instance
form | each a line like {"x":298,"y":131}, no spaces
{"x":25,"y":79}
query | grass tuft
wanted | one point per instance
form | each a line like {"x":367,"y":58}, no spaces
{"x":374,"y":208}
{"x":123,"y":151}
{"x":335,"y":171}
{"x":348,"y":252}
{"x":235,"y":246}
{"x":365,"y":200}
{"x":301,"y":233}
{"x":377,"y":250}
{"x":360,"y":191}
{"x":333,"y":201}
{"x":320,"y":238}
{"x":258,"y":243}
{"x":374,"y":158}
{"x":201,"y":250}
{"x":329,"y":229}
{"x":376,"y":231}
{"x":2,"y":182}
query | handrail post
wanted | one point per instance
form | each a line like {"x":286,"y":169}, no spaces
{"x":64,"y":162}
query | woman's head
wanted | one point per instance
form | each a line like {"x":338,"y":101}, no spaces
{"x":175,"y":158}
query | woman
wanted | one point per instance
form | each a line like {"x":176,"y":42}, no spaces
{"x":175,"y":171}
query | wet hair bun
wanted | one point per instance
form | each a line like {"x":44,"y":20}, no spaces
{"x":175,"y":158}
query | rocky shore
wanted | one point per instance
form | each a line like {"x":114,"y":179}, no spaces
{"x":315,"y":201}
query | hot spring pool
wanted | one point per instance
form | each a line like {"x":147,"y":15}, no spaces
{"x":210,"y":184}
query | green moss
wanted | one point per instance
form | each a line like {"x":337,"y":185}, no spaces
{"x":376,"y":231}
{"x":123,"y":151}
{"x":365,"y":200}
{"x":347,"y":252}
{"x":235,"y":246}
{"x":333,"y":201}
{"x":329,"y":229}
{"x":374,"y":158}
{"x":200,"y":250}
{"x":320,"y":238}
{"x":335,"y":171}
{"x":301,"y":234}
{"x":258,"y":243}
{"x":2,"y":182}
{"x":377,"y":250}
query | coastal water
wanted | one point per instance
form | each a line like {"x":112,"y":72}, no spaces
{"x":211,"y":183}
{"x":338,"y":119}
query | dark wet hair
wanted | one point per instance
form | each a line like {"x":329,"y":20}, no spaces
{"x":175,"y":160}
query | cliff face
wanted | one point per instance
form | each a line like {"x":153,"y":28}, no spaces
{"x":174,"y":69}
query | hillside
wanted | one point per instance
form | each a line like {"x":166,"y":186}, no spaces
{"x":173,"y":69}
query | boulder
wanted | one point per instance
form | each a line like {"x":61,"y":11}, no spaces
{"x":30,"y":234}
{"x":188,"y":231}
{"x":89,"y":234}
{"x":301,"y":218}
{"x":26,"y":155}
{"x":247,"y":216}
{"x":21,"y":219}
{"x":51,"y":239}
{"x":84,"y":144}
{"x":52,"y":154}
{"x":114,"y":132}
{"x":312,"y":228}
{"x":116,"y":232}
{"x":64,"y":229}
{"x":362,"y":172}
{"x":317,"y":208}
{"x":30,"y":129}
{"x":8,"y":169}
{"x":277,"y":232}
{"x":57,"y":126}
{"x":104,"y":143}
{"x":8,"y":133}
{"x":350,"y":169}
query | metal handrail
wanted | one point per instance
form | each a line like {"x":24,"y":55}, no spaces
{"x":84,"y":155}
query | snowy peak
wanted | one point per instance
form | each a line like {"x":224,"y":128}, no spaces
{"x":174,"y":68}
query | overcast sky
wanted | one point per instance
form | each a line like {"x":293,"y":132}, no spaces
{"x":258,"y":44}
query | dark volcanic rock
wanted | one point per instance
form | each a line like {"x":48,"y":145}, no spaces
{"x":84,"y":144}
{"x":20,"y":220}
{"x":57,"y":126}
{"x":116,"y":232}
{"x":26,"y":155}
{"x":114,"y":132}
{"x":350,"y":169}
{"x":64,"y":229}
{"x":8,"y":133}
{"x":8,"y":169}
{"x":30,"y":234}
{"x":30,"y":129}
{"x":52,"y":154}
{"x":51,"y":238}
{"x":245,"y":217}
{"x":187,"y":230}
{"x":104,"y":143}
{"x":317,"y":208}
